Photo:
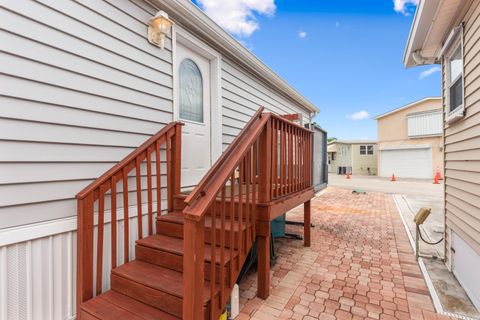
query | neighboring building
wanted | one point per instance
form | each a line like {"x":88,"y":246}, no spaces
{"x":410,"y":143}
{"x":447,"y":33}
{"x":355,"y":157}
{"x":80,"y":88}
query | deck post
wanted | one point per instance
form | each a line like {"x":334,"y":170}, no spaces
{"x":193,"y":268}
{"x":306,"y":223}
{"x":177,"y":158}
{"x":264,"y":196}
{"x":263,"y":245}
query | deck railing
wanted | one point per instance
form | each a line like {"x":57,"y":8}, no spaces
{"x":269,"y":159}
{"x":113,"y":188}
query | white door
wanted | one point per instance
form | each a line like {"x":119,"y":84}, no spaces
{"x":193,"y":108}
{"x":406,"y":163}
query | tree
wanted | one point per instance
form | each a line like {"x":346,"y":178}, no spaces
{"x":331,"y":139}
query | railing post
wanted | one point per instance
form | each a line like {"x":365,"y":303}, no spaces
{"x":176,"y":159}
{"x":265,"y":163}
{"x":84,"y":251}
{"x":193,"y":268}
{"x":263,"y":223}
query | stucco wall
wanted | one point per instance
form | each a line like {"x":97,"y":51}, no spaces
{"x":393,"y":132}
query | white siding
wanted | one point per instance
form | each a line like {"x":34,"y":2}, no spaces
{"x":37,"y":271}
{"x":423,"y":124}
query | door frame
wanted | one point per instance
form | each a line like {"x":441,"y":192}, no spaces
{"x":180,"y":35}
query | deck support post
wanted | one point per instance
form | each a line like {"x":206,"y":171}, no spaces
{"x":306,"y":223}
{"x":193,"y":268}
{"x":263,"y":245}
{"x":264,"y":196}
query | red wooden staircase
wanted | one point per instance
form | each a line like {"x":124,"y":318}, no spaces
{"x":186,"y":261}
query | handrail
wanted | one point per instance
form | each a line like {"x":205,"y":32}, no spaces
{"x":220,"y":172}
{"x":116,"y":169}
{"x":200,"y":188}
{"x":102,"y":194}
{"x":270,"y":159}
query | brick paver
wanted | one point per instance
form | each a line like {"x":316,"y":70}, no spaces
{"x":360,"y":266}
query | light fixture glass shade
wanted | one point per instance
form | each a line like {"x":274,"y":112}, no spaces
{"x":158,"y":27}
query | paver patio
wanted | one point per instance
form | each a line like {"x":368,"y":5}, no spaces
{"x":360,"y":266}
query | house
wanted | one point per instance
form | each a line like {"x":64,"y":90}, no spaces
{"x":357,"y":157}
{"x":109,"y":118}
{"x":410,"y":143}
{"x":446,"y":33}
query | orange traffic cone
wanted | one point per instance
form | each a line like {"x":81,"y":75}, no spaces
{"x":393,"y":177}
{"x":438,"y":175}
{"x":435,"y":180}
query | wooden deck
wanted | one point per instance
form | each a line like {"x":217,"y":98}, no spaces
{"x":187,"y":265}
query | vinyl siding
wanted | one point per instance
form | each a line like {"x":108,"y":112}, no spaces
{"x":361,"y":163}
{"x":462,"y":145}
{"x":80,"y":88}
{"x":242,"y":95}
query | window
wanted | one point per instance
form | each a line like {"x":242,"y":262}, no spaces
{"x":366,"y":150}
{"x":370,"y":150}
{"x":190,"y":91}
{"x":333,"y":156}
{"x":455,"y":83}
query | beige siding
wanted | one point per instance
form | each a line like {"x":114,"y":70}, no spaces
{"x":361,"y":163}
{"x":343,"y":157}
{"x":462,"y":145}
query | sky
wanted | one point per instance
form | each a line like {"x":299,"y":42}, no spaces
{"x":345,"y":56}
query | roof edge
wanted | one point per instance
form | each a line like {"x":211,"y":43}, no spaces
{"x":406,"y":106}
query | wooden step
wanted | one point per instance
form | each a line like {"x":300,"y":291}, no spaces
{"x":153,"y":285}
{"x":171,"y":224}
{"x":112,"y":305}
{"x":167,"y":252}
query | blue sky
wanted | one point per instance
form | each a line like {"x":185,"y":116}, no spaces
{"x":345,"y":56}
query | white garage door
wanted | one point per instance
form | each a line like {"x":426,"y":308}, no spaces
{"x":406,"y":163}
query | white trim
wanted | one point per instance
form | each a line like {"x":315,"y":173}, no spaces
{"x":455,"y":44}
{"x":179,"y":35}
{"x":406,"y":147}
{"x":189,"y":16}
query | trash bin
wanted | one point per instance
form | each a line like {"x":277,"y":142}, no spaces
{"x":277,"y":227}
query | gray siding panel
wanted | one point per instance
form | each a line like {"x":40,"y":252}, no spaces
{"x":80,"y":88}
{"x":242,"y":95}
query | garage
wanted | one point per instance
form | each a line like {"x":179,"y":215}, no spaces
{"x":406,"y":163}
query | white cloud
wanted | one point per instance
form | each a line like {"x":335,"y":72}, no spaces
{"x":337,"y":24}
{"x":238,"y":16}
{"x":403,"y":5}
{"x":359,"y":115}
{"x":429,"y":72}
{"x":302,"y":34}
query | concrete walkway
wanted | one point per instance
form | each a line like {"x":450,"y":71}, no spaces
{"x":360,"y":266}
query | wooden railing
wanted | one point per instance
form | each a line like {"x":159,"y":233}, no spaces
{"x":112,"y":188}
{"x":268,"y":160}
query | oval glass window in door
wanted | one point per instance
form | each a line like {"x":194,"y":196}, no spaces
{"x":190,"y":91}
